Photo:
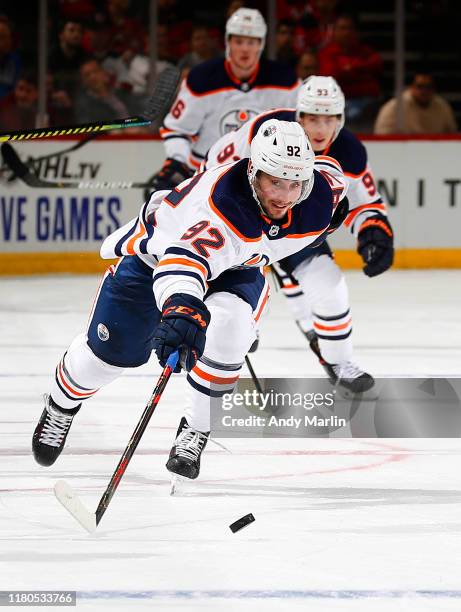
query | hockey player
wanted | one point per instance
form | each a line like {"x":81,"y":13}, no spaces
{"x":219,"y":95}
{"x":311,"y":280}
{"x":191,"y":270}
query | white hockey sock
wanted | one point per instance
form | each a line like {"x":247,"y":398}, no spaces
{"x":80,"y":374}
{"x":296,"y":299}
{"x":325,"y":288}
{"x":229,"y":336}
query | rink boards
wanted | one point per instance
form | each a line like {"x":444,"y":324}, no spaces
{"x":60,"y":230}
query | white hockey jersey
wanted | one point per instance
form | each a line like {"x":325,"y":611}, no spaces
{"x":212,"y":223}
{"x":212,"y":102}
{"x":362,"y":193}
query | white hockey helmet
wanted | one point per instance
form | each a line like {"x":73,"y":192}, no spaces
{"x":246,"y":22}
{"x":282,"y":149}
{"x":321,"y":95}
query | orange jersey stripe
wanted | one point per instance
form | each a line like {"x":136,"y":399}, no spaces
{"x":225,"y":219}
{"x":308,"y":234}
{"x":351,"y":216}
{"x":330,"y":160}
{"x":130,"y":245}
{"x":261,"y":308}
{"x":184,"y":262}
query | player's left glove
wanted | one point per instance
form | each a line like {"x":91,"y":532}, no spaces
{"x":171,"y":174}
{"x":375,"y":244}
{"x":183,"y":327}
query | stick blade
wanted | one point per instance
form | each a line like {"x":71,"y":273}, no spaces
{"x":71,"y":502}
{"x":12,"y":160}
{"x":163,"y":96}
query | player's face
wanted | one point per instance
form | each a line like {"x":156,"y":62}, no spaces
{"x":276,"y":195}
{"x":244,"y":52}
{"x":320,"y":129}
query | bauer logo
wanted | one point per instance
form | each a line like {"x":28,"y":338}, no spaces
{"x":103,"y":332}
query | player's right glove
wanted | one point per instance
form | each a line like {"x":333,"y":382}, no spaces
{"x":375,"y":244}
{"x":171,"y":174}
{"x":183,"y":327}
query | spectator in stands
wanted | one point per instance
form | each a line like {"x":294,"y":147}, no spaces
{"x":176,"y":29}
{"x":201,"y":48}
{"x":285,"y":52}
{"x":97,"y":99}
{"x":18,"y":109}
{"x":113,"y":33}
{"x":307,"y":65}
{"x":10,"y":61}
{"x":76,"y":10}
{"x":132,"y":72}
{"x":355,"y":65}
{"x":67,"y":56}
{"x":313,"y":21}
{"x":125,"y":34}
{"x":423,"y":111}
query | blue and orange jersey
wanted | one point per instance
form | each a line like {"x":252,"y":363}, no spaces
{"x":363,"y":196}
{"x":212,"y":102}
{"x":212,"y":223}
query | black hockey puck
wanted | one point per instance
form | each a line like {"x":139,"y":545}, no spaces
{"x":242,"y":522}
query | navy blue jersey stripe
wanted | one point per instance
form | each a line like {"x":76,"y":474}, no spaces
{"x":118,"y":246}
{"x":180,"y":251}
{"x":158,"y":275}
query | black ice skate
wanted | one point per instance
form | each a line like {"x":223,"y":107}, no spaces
{"x":185,"y":455}
{"x":51,"y":432}
{"x":346,"y":374}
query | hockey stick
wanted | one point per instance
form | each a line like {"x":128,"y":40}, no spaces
{"x":20,"y":169}
{"x":256,"y":382}
{"x":161,"y":99}
{"x":70,"y":500}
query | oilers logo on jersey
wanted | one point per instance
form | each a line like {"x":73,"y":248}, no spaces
{"x":234,"y":119}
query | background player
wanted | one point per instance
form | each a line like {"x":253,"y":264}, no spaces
{"x":219,"y":95}
{"x":311,"y":280}
{"x":201,"y":249}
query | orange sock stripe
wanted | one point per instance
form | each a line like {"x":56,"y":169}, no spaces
{"x":214,"y":379}
{"x":71,"y":389}
{"x":333,"y":327}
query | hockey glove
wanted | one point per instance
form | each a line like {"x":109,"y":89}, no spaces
{"x":171,"y":174}
{"x":183,"y":327}
{"x":375,"y":244}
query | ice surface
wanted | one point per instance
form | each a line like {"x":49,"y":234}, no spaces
{"x":340,"y":524}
